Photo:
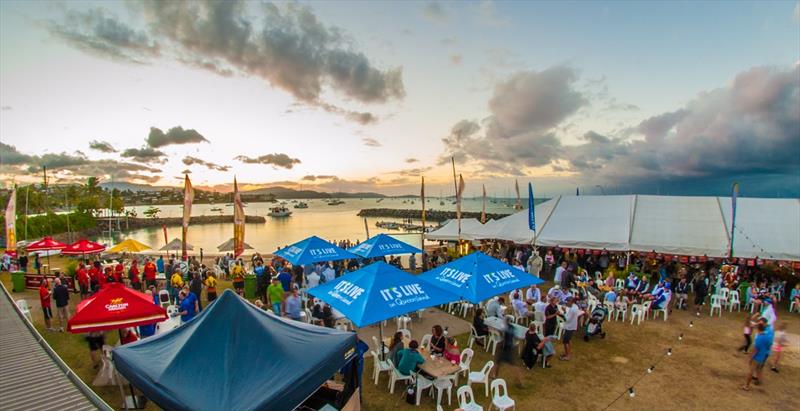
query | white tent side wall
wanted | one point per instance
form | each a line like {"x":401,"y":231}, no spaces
{"x":589,"y":222}
{"x":679,"y":225}
{"x":765,"y":228}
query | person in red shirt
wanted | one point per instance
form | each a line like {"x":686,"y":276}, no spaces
{"x":101,"y":275}
{"x":150,"y":273}
{"x":44,"y":298}
{"x":133,"y":275}
{"x":94,"y":278}
{"x":119,"y":269}
{"x":128,"y":336}
{"x":83,"y":280}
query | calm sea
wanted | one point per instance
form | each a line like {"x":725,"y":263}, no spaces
{"x":329,"y":222}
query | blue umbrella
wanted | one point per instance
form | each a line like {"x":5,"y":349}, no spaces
{"x":382,"y":245}
{"x":477,"y":277}
{"x":313,"y":250}
{"x":378,"y":292}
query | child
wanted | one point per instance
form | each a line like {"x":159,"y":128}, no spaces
{"x":451,"y":352}
{"x":780,"y":342}
{"x":748,"y":331}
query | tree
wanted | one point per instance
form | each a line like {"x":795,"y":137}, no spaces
{"x":152,"y":212}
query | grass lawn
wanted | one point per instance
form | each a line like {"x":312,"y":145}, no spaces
{"x":704,"y":371}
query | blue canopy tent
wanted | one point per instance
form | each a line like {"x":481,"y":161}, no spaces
{"x":313,"y":250}
{"x":382,"y":245}
{"x":378,"y":292}
{"x":477,"y":277}
{"x":256,"y":361}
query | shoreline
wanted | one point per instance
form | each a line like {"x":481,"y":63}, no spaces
{"x":430,"y":215}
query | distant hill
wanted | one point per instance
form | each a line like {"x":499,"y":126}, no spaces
{"x":284,"y":192}
{"x":122,"y":186}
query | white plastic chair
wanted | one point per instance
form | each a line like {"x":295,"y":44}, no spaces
{"x":379,"y":366}
{"x":465,"y":307}
{"x":395,"y":376}
{"x":406,"y":333}
{"x":733,"y":300}
{"x":425,"y":342}
{"x":794,"y":306}
{"x":610,"y":307}
{"x":494,"y":340}
{"x":500,"y":398}
{"x":637,"y":313}
{"x":473,"y":336}
{"x":25,"y":308}
{"x":716,"y":303}
{"x":620,"y":309}
{"x":619,"y":284}
{"x":664,"y":311}
{"x":464,"y":362}
{"x":441,"y":384}
{"x":422,"y":384}
{"x":482,"y":376}
{"x":172,"y":310}
{"x":466,"y":399}
{"x":403,"y":321}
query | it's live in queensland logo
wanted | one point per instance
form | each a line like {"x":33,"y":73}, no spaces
{"x":322,"y":252}
{"x":117,"y":304}
{"x":500,"y":278}
{"x":293,"y":250}
{"x":346,"y":292}
{"x":456,"y":278}
{"x":404,"y":295}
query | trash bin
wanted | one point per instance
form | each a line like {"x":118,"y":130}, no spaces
{"x":250,"y":286}
{"x":18,"y":281}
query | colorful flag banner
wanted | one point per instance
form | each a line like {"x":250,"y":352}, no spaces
{"x":518,"y":205}
{"x":459,"y":194}
{"x":422,"y":198}
{"x":531,"y":209}
{"x":483,"y":210}
{"x":734,"y":195}
{"x":188,"y":197}
{"x":11,"y":222}
{"x":238,"y":220}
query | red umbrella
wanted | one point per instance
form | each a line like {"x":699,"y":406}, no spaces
{"x":83,"y":246}
{"x":46,"y":244}
{"x":113,"y":307}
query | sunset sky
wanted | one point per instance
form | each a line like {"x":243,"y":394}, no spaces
{"x":611,"y":97}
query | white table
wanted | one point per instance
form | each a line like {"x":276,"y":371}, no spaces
{"x":499,"y":325}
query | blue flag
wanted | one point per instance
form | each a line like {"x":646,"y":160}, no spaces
{"x":531,"y":210}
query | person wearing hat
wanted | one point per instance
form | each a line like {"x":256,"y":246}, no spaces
{"x":275,"y":295}
{"x":535,"y":263}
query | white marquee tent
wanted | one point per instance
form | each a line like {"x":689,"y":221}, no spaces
{"x":449,"y":231}
{"x":765,"y":228}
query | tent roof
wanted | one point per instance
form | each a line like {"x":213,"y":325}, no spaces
{"x":313,"y":250}
{"x":83,"y":246}
{"x":176,"y":245}
{"x":115,"y":306}
{"x":260,"y":361}
{"x":129,"y":246}
{"x":765,"y":227}
{"x":449,"y":231}
{"x":228,"y":246}
{"x":381,"y":245}
{"x":46,"y":243}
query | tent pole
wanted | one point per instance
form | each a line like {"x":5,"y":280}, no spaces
{"x":380,"y":331}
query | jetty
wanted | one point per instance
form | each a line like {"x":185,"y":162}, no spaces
{"x":430,"y":215}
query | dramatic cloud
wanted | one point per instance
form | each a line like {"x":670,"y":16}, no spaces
{"x":319,"y":177}
{"x":276,"y":160}
{"x":175,"y":135}
{"x":749,"y":130}
{"x":144,"y":155}
{"x":371,"y":142}
{"x":520,"y":132}
{"x":412,"y":172}
{"x":411,"y":160}
{"x":102,"y":146}
{"x":71,"y":167}
{"x":99,"y":33}
{"x":434,"y":11}
{"x":189,"y":160}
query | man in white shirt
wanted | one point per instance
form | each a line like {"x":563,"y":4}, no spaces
{"x":312,"y":279}
{"x":570,"y":326}
{"x":520,"y":307}
{"x":560,"y":271}
{"x":494,"y":308}
{"x":535,"y":263}
{"x":329,"y":273}
{"x":540,"y":305}
{"x":533,"y":294}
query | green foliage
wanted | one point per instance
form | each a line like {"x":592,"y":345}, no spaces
{"x":71,"y":267}
{"x":152,"y":212}
{"x":40,"y":226}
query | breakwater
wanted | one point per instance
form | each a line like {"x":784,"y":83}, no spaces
{"x":135,"y":223}
{"x":430,"y":215}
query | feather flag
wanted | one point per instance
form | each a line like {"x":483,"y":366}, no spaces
{"x":238,"y":221}
{"x":531,"y":209}
{"x":422,"y":197}
{"x":518,"y":205}
{"x":483,"y":210}
{"x":188,"y":197}
{"x":11,"y":222}
{"x":734,"y":196}
{"x":459,"y":195}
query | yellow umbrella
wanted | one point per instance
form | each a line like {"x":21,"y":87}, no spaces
{"x":128,"y":246}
